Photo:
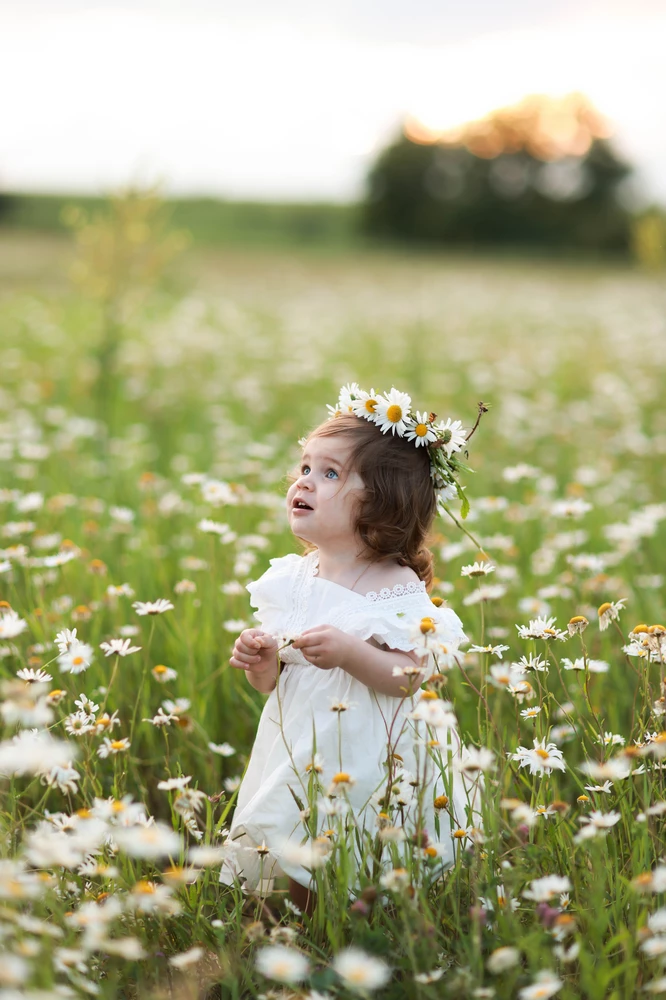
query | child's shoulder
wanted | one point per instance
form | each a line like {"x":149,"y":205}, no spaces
{"x":288,"y":563}
{"x":388,"y":574}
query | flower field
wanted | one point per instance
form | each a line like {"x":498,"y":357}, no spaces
{"x":141,"y":489}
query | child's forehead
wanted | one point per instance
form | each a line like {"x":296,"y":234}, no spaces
{"x":327,"y":448}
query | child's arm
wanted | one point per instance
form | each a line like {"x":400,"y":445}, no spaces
{"x":255,"y":653}
{"x":326,"y":647}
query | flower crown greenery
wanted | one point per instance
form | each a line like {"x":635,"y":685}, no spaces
{"x":445,"y":441}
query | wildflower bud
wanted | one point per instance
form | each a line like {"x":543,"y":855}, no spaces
{"x":577,"y":624}
{"x":547,"y":914}
{"x":441,"y":802}
{"x":360,"y":907}
{"x":369,"y":894}
{"x":523,"y":832}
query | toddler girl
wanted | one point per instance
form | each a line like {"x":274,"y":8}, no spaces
{"x":345,"y":640}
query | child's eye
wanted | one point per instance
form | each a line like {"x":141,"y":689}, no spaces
{"x":333,"y":476}
{"x":305,"y":469}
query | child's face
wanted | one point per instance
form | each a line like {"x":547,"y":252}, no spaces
{"x":329,"y":488}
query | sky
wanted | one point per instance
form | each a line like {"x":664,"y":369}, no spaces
{"x":291,"y":100}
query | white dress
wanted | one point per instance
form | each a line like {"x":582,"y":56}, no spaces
{"x":289,"y":598}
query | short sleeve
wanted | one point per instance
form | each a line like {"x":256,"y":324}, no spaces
{"x":271,"y":593}
{"x":394,"y":622}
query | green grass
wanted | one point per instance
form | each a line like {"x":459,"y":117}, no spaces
{"x":220,"y":372}
{"x":210,"y":220}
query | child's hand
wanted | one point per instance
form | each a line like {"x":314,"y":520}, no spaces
{"x":254,"y":650}
{"x":324,"y":646}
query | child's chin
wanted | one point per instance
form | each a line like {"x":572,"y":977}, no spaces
{"x":301,"y":531}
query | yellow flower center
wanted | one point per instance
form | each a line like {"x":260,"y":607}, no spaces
{"x":117,"y":744}
{"x":394,"y":413}
{"x":604,"y":608}
{"x":441,"y":802}
{"x":147,"y":888}
{"x":459,"y":834}
{"x":431,"y":852}
{"x":437,"y":601}
{"x":542,"y":753}
{"x":428,"y":696}
{"x":159,"y":669}
{"x":371,"y":405}
{"x":77,"y":661}
{"x":578,"y":620}
{"x":118,"y":807}
{"x":427,"y":625}
{"x":341,"y":777}
{"x":421,"y":430}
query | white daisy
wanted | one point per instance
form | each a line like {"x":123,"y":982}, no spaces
{"x":546,"y":984}
{"x":420,"y":430}
{"x":542,"y":890}
{"x":224,"y":749}
{"x":11,"y":625}
{"x":540,"y":758}
{"x":348,"y":394}
{"x":365,"y":405}
{"x":121,"y":647}
{"x":452,"y":434}
{"x":286,"y":965}
{"x":77,"y":658}
{"x":361,"y":971}
{"x":64,"y":639}
{"x":392,"y":412}
{"x":609,"y":611}
{"x":112,"y":747}
{"x":32,"y":676}
{"x":152,"y":607}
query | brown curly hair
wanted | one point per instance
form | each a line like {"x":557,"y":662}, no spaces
{"x":395,"y":513}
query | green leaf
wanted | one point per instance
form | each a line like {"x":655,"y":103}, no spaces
{"x":464,"y":502}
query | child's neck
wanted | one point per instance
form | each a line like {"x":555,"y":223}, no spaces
{"x":340,"y":563}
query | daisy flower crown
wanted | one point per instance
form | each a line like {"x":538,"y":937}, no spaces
{"x":444,"y":441}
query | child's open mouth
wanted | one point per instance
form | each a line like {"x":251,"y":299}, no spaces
{"x":301,"y":505}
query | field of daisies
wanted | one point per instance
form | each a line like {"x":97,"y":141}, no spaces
{"x":146,"y":429}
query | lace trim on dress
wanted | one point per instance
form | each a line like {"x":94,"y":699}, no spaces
{"x":400,"y":589}
{"x":302,"y":584}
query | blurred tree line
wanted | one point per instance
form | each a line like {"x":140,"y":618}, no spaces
{"x":542,"y":172}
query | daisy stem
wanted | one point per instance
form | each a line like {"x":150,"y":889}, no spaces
{"x":463,"y":528}
{"x":108,"y":690}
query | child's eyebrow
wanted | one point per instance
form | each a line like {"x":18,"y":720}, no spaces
{"x":324,"y":458}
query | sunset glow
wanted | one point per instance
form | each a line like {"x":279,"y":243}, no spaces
{"x":267,"y":108}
